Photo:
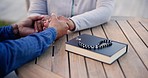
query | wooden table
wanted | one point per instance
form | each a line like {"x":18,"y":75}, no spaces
{"x":58,"y":63}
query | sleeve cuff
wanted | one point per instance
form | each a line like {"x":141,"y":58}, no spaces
{"x":48,"y":31}
{"x":76,"y":24}
{"x":9,"y":34}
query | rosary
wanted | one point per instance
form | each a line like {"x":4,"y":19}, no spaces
{"x":102,"y":44}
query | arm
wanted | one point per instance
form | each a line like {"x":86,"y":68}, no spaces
{"x":100,"y":15}
{"x":38,"y":7}
{"x":20,"y":29}
{"x":14,"y":53}
{"x":8,"y":32}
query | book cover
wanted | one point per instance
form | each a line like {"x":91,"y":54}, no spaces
{"x":90,"y":46}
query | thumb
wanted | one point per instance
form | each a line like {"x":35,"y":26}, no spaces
{"x":34,"y":18}
{"x":53,"y":16}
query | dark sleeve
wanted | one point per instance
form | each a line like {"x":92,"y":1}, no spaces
{"x":15,"y":53}
{"x":6,"y":33}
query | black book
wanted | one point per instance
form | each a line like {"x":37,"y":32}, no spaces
{"x":97,"y":48}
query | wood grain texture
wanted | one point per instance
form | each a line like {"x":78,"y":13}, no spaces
{"x":130,"y":62}
{"x":77,"y":62}
{"x":95,"y":68}
{"x":35,"y":71}
{"x":139,"y":30}
{"x":108,"y":68}
{"x":144,"y":23}
{"x":45,"y":60}
{"x":136,"y":42}
{"x":60,"y":60}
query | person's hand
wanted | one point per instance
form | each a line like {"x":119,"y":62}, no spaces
{"x":40,"y":24}
{"x":59,"y":25}
{"x":69,"y":22}
{"x":26,"y":27}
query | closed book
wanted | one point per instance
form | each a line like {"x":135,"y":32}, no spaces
{"x":106,"y":54}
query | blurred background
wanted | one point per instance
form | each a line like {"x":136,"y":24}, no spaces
{"x":14,"y":11}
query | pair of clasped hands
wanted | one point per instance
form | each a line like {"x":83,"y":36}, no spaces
{"x":36,"y":24}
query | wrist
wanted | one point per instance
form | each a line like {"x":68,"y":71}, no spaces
{"x":16,"y":30}
{"x":71,"y":25}
{"x":57,"y":32}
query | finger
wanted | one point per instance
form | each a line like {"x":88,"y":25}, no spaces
{"x":59,"y":17}
{"x":67,"y":27}
{"x":35,"y":27}
{"x":44,"y":28}
{"x":40,"y":27}
{"x":46,"y":23}
{"x":49,"y":18}
{"x":42,"y":23}
{"x":34,"y":18}
{"x":44,"y":17}
{"x":53,"y":16}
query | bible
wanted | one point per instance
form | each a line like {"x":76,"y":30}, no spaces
{"x":97,"y":48}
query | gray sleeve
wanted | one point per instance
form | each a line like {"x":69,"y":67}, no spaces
{"x":37,"y":7}
{"x":98,"y":16}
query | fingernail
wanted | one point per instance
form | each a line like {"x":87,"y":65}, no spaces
{"x":36,"y":30}
{"x":47,"y":21}
{"x":44,"y":21}
{"x":44,"y":28}
{"x":42,"y":15}
{"x":52,"y":14}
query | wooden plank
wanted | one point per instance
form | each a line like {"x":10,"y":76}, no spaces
{"x":60,"y":61}
{"x":113,"y":70}
{"x":122,"y":18}
{"x":130,"y":63}
{"x":35,"y":71}
{"x":95,"y":68}
{"x":77,"y":62}
{"x":45,"y":60}
{"x":140,"y":30}
{"x":144,"y":23}
{"x":136,"y":42}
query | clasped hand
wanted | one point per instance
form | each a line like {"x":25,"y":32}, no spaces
{"x":40,"y":23}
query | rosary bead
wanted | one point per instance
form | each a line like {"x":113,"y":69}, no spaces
{"x":100,"y":45}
